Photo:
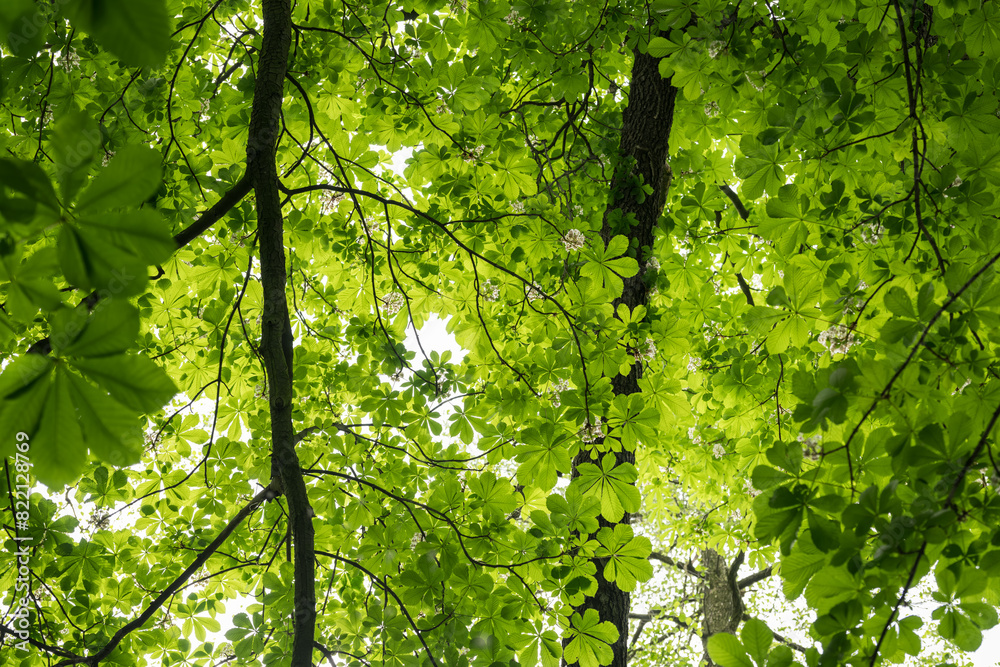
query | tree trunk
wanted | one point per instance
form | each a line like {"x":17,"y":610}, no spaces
{"x":722,"y":605}
{"x":646,"y":124}
{"x":276,"y":339}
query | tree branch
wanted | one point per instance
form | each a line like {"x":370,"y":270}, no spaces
{"x":733,"y":197}
{"x":755,"y":577}
{"x":685,"y":567}
{"x":231,"y":198}
{"x":196,"y":565}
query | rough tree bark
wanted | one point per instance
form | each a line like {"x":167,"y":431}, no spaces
{"x":643,"y":150}
{"x":722,"y":603}
{"x":276,"y":337}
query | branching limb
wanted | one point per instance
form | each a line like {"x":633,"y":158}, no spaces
{"x":225,"y":204}
{"x":169,"y":591}
{"x":755,"y":577}
{"x":685,"y":567}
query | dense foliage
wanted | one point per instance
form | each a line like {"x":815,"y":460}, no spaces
{"x":779,"y":347}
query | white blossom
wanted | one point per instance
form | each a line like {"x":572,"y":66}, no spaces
{"x":534,"y":292}
{"x":590,"y":433}
{"x":490,"y":290}
{"x":748,"y":488}
{"x":393,"y":303}
{"x":838,"y":339}
{"x":718,"y":451}
{"x":693,"y":436}
{"x":329,"y":202}
{"x":517,"y":206}
{"x":474,"y":154}
{"x":554,"y":398}
{"x":69,"y":60}
{"x":811,"y":446}
{"x":513,"y":18}
{"x":712,"y":109}
{"x":574,"y":240}
{"x":715,"y":48}
{"x":646,"y":351}
{"x":852,"y":304}
{"x":652,"y":264}
{"x":871,"y":233}
{"x":415,"y":540}
{"x":694,"y":363}
{"x":258,"y":391}
{"x":957,"y":182}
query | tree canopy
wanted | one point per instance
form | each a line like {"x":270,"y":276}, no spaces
{"x":723,"y":275}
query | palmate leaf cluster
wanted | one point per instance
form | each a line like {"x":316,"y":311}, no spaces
{"x":817,"y":352}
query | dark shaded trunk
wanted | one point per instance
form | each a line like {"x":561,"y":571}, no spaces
{"x":276,"y":338}
{"x":643,"y":150}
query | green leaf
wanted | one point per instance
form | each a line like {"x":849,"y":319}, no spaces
{"x":590,"y":640}
{"x":727,"y":651}
{"x":543,"y":456}
{"x":111,"y":329}
{"x":60,"y":454}
{"x":76,"y":140}
{"x":797,"y":569}
{"x":131,"y":177}
{"x":133,"y":380}
{"x":982,"y":30}
{"x":765,"y":477}
{"x":960,"y":630}
{"x":899,"y":303}
{"x":110,"y":252}
{"x":759,"y":168}
{"x":137,"y":31}
{"x":24,"y":389}
{"x":628,"y":556}
{"x":111,"y":431}
{"x":24,"y":26}
{"x":614,"y":485}
{"x":497,"y":494}
{"x":28,"y":179}
{"x":830,"y":586}
{"x":21,"y":373}
{"x":609,"y":265}
{"x":757,"y":638}
{"x":781,"y":656}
